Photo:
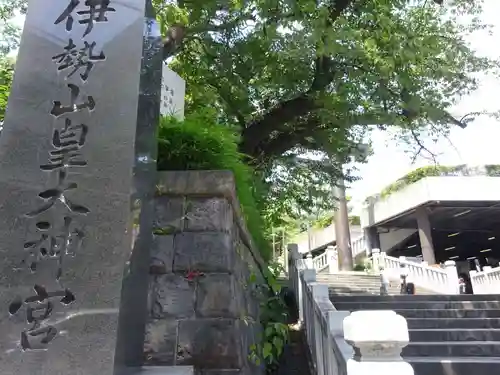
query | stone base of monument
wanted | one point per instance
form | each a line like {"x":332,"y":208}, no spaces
{"x":163,"y":370}
{"x":203,"y":311}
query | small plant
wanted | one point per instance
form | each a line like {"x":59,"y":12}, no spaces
{"x":359,"y":267}
{"x":273,"y":316}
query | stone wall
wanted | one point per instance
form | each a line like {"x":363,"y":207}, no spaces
{"x":202,"y":312}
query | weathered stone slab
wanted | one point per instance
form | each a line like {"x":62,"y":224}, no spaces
{"x":215,"y":296}
{"x":169,"y":214}
{"x":78,"y":140}
{"x":162,"y":254}
{"x":209,"y":343}
{"x":172,"y":296}
{"x":160,"y":342}
{"x":213,"y":214}
{"x":203,"y":251}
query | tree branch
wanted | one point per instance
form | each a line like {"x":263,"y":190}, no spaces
{"x":259,"y":131}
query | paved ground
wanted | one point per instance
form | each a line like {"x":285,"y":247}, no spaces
{"x":295,"y":359}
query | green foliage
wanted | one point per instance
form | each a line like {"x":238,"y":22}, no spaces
{"x":492,"y":170}
{"x":273,"y":315}
{"x":386,"y":63}
{"x":359,"y":267}
{"x":300,"y":76}
{"x":6,"y":73}
{"x":10,"y":33}
{"x":199,"y":143}
{"x":365,"y":265}
{"x":417,"y":175}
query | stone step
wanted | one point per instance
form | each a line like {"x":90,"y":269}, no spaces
{"x":343,"y":287}
{"x":421,"y":297}
{"x":455,"y":365}
{"x":349,"y":280}
{"x":435,"y":305}
{"x":463,"y":323}
{"x":450,"y":313}
{"x":455,"y":334}
{"x":452,"y":349}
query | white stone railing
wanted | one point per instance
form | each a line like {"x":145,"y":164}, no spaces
{"x":440,"y":280}
{"x":321,"y":261}
{"x":358,"y":246}
{"x":486,"y":281}
{"x":329,"y":258}
{"x":344,"y":343}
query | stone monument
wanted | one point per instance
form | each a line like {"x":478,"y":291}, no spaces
{"x":77,"y":173}
{"x":173,"y":89}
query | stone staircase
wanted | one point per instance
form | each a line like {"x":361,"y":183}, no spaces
{"x":358,"y":283}
{"x":449,"y":334}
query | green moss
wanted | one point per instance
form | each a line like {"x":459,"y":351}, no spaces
{"x":491,"y":170}
{"x":199,"y":143}
{"x":163,"y":231}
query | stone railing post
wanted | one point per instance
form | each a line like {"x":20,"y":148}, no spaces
{"x":309,"y":261}
{"x":309,"y":276}
{"x":376,"y":261}
{"x":381,"y":259}
{"x":293,"y":253}
{"x":377,"y":338}
{"x":320,"y":297}
{"x":451,"y":270}
{"x":332,"y":259}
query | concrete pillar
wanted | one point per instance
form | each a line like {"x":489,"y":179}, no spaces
{"x":342,"y":234}
{"x":425,"y":235}
{"x":372,"y":239}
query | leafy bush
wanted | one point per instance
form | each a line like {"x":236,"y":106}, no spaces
{"x":199,"y":143}
{"x":359,"y":267}
{"x":273,"y":318}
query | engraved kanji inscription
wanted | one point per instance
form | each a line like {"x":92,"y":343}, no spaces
{"x":95,"y":11}
{"x":67,"y":143}
{"x":67,"y":15}
{"x":39,"y":309}
{"x":51,"y":196}
{"x":78,"y":59}
{"x":58,"y":109}
{"x":54,"y":243}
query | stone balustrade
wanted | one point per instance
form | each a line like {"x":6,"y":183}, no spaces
{"x":344,"y":343}
{"x":487,"y":281}
{"x":436,"y":279}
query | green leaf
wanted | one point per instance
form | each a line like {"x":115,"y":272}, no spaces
{"x":267,"y":350}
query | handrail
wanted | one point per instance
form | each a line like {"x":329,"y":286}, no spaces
{"x":320,"y":262}
{"x":333,"y":337}
{"x":431,"y":278}
{"x":486,"y":281}
{"x":358,"y":246}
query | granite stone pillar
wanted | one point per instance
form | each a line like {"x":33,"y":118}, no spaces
{"x":77,"y":177}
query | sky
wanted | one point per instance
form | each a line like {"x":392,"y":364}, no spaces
{"x":478,"y":144}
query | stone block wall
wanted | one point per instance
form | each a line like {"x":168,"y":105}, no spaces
{"x":202,"y":309}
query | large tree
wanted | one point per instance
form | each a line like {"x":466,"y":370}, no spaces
{"x":318,"y":75}
{"x":308,"y":75}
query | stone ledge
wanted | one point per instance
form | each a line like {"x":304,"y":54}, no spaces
{"x":208,"y":184}
{"x":158,"y":370}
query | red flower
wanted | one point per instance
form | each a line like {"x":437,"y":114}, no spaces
{"x":191,"y":275}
